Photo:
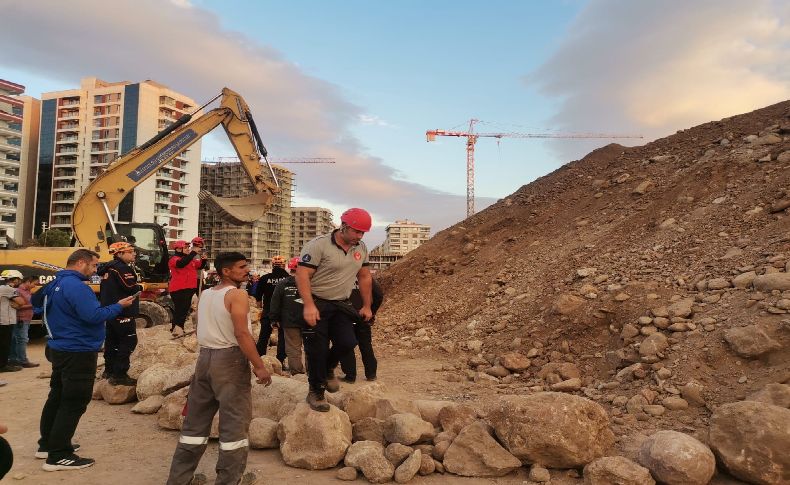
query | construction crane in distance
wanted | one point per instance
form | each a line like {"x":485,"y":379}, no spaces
{"x":284,"y":160}
{"x":471,"y":138}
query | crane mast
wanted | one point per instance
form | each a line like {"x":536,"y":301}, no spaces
{"x":471,"y":139}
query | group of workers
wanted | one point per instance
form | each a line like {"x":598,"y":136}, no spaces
{"x":326,"y":301}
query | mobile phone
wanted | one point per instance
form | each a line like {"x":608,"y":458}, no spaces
{"x":137,"y":294}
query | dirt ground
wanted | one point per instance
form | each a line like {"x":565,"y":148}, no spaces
{"x":132,"y":447}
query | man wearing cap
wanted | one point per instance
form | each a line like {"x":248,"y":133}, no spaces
{"x":263,"y":293}
{"x":10,"y":302}
{"x":184,"y":267}
{"x":119,"y":280}
{"x":328,"y":267}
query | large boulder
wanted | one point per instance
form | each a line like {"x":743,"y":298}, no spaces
{"x":169,"y":416}
{"x":178,"y":378}
{"x":474,"y":453}
{"x":750,"y":341}
{"x":752,"y":441}
{"x":429,"y":410}
{"x":775,"y":393}
{"x":263,"y":434}
{"x":407,"y":429}
{"x":361,"y":403}
{"x":387,"y":406}
{"x":567,"y":304}
{"x":369,"y":429}
{"x":151,"y":381}
{"x":515,"y":361}
{"x":772,"y":281}
{"x":456,"y":417}
{"x":155,"y":345}
{"x":674,"y":457}
{"x":682,"y":308}
{"x":616,"y":470}
{"x":396,"y":453}
{"x":314,"y":440}
{"x":278,"y":399}
{"x":368,"y":457}
{"x":554,"y":429}
{"x":409,"y":467}
{"x":117,"y":394}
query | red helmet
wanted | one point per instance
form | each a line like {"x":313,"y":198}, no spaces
{"x":293,"y":263}
{"x":357,"y":218}
{"x":180,"y":244}
{"x":197,"y":240}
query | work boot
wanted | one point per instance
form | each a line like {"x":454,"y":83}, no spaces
{"x":332,"y":382}
{"x":349,"y":379}
{"x":249,"y":478}
{"x":10,"y":368}
{"x":123,"y":380}
{"x":317,"y":401}
{"x":198,"y":479}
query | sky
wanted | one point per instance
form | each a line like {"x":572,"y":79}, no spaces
{"x":362,"y":81}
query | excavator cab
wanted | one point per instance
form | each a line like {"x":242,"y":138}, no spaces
{"x":149,"y":239}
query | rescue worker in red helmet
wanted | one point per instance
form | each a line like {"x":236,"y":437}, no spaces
{"x":184,"y":267}
{"x":328,"y":267}
{"x":119,"y":280}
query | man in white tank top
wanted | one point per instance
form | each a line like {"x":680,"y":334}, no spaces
{"x":222,"y":379}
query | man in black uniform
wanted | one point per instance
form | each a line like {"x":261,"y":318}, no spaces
{"x":263,"y":293}
{"x":119,"y":280}
{"x":362,"y":331}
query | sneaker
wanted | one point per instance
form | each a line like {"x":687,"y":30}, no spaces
{"x":349,"y":379}
{"x":42,"y":454}
{"x":10,"y":368}
{"x":199,"y":479}
{"x":317,"y":401}
{"x":72,"y":462}
{"x":249,"y":478}
{"x":332,"y":382}
{"x":30,"y":365}
{"x":123,"y":380}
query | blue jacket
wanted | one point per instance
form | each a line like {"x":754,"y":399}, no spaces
{"x":74,"y":316}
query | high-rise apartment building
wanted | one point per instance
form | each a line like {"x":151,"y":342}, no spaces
{"x":404,"y":236}
{"x":82,"y":130}
{"x":308,"y":223}
{"x":18,"y":148}
{"x":260,"y":240}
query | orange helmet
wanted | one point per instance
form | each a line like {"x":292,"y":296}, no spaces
{"x":278,"y":261}
{"x":293,"y":263}
{"x":121,"y":247}
{"x":180,"y":244}
{"x":357,"y":218}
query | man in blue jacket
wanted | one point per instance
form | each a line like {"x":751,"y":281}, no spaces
{"x":75,"y":322}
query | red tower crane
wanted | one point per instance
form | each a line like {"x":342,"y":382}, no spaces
{"x":471,"y":139}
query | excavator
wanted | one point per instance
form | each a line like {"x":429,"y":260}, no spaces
{"x":93,"y":224}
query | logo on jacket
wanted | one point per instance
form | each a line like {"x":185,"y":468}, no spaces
{"x":357,"y":256}
{"x":306,"y":258}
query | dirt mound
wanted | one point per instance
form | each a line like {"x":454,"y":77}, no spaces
{"x":584,"y":264}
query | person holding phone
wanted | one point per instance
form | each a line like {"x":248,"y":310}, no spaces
{"x":119,"y":280}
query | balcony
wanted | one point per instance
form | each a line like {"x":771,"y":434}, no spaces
{"x":69,"y":116}
{"x":8,"y":208}
{"x":67,"y":161}
{"x":8,"y":162}
{"x":64,"y":186}
{"x":65,"y":197}
{"x":74,"y":102}
{"x":69,"y":139}
{"x":64,"y":175}
{"x":8,"y":131}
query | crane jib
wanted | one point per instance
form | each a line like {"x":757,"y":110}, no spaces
{"x":168,"y":151}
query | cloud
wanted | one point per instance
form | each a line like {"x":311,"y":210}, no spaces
{"x":186,"y":48}
{"x":373,"y":120}
{"x":656,"y":66}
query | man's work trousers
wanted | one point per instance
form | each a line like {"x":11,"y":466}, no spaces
{"x":70,"y":390}
{"x":119,"y":344}
{"x":293,"y":349}
{"x":182,"y":302}
{"x":365,"y":340}
{"x":266,"y":333}
{"x":335,"y":326}
{"x":19,"y":340}
{"x":5,"y":343}
{"x":221,"y":382}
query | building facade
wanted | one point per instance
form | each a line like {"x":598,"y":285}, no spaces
{"x":308,"y":223}
{"x":379,"y":260}
{"x":260,"y":240}
{"x":83,"y":130}
{"x":18,"y":148}
{"x":404,"y":236}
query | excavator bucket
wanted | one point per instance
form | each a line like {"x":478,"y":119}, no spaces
{"x":238,"y":210}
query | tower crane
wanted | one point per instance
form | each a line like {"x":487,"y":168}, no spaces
{"x":472,"y":136}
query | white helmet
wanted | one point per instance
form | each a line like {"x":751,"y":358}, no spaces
{"x":11,"y":274}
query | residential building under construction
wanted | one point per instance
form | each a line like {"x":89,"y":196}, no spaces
{"x":260,"y":240}
{"x":308,"y":223}
{"x":404,"y":236}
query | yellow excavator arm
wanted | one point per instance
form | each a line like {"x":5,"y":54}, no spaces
{"x":94,"y":208}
